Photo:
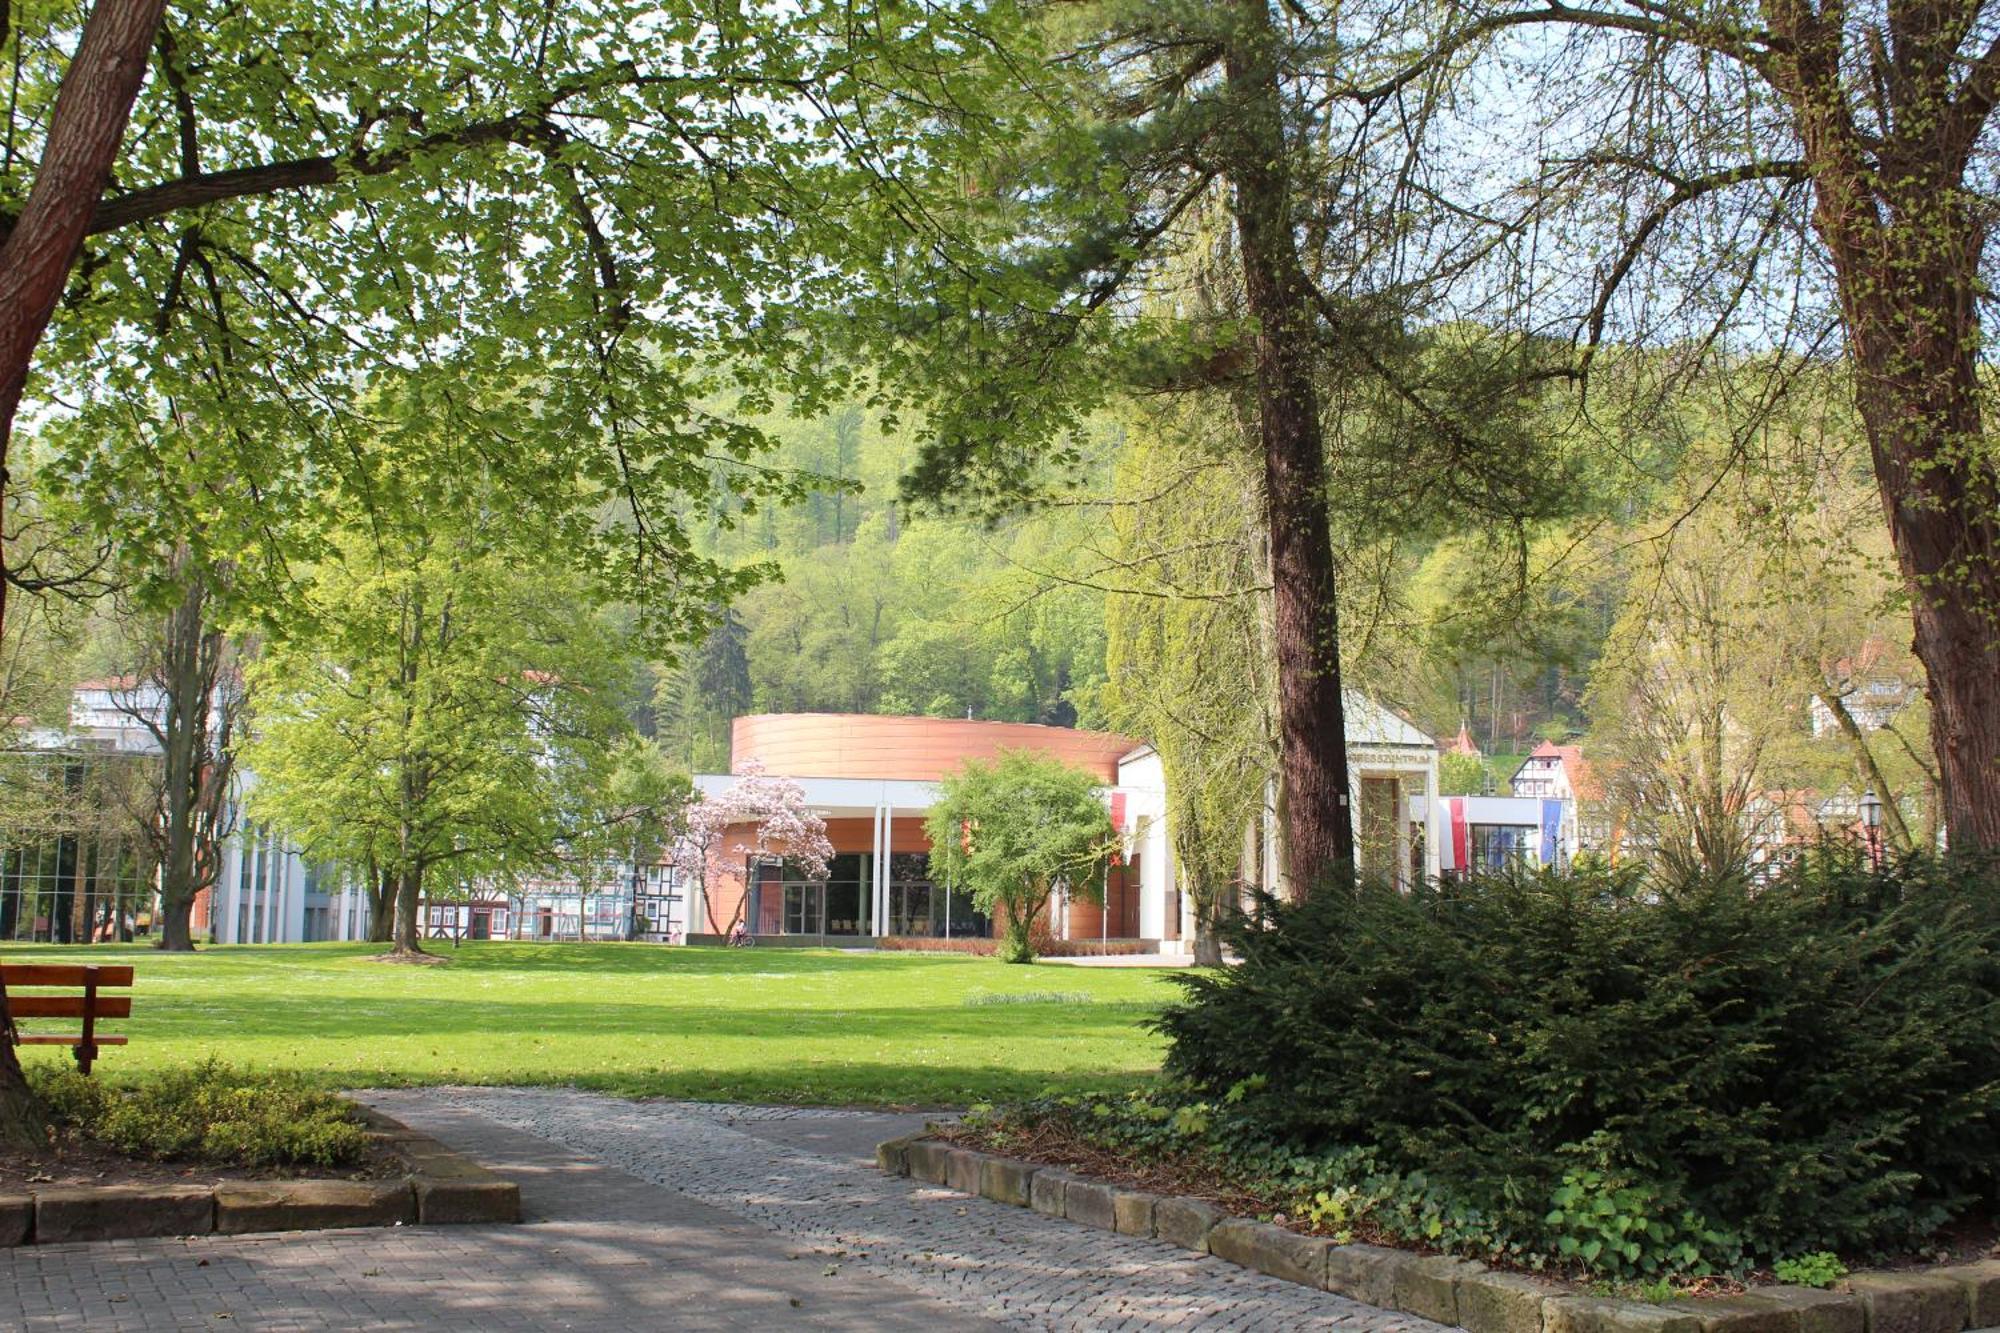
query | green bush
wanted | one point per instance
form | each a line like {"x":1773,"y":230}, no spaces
{"x":1637,"y":1080}
{"x":1818,"y":1269}
{"x":210,"y":1113}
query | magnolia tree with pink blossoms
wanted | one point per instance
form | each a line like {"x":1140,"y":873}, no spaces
{"x":775,"y":813}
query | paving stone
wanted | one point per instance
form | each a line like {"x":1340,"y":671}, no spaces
{"x":1006,"y":1180}
{"x":655,"y":1215}
{"x":17,"y":1218}
{"x":1132,"y":1212}
{"x":1092,"y":1203}
{"x":1982,"y":1290}
{"x":1909,"y":1302}
{"x":894,"y":1156}
{"x":1749,"y":1313}
{"x":312,"y":1205}
{"x":1429,"y":1287}
{"x":1490,"y":1302}
{"x":123,"y":1212}
{"x":1046,"y":1191}
{"x":1366,"y":1273}
{"x":1269,"y":1248}
{"x":1185,"y":1222}
{"x":458,"y":1201}
{"x":961,"y":1170}
{"x":1589,"y":1314}
{"x":927,"y":1159}
{"x":1819,"y":1310}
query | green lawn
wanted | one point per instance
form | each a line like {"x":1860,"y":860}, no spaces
{"x":815,"y":1026}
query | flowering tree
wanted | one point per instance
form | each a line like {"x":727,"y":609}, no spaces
{"x":775,"y":811}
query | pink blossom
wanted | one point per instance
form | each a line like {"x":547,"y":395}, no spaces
{"x":774,"y":808}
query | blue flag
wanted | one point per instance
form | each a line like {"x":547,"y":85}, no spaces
{"x":1552,"y":816}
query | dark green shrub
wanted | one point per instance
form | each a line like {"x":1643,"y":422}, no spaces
{"x":210,"y":1113}
{"x":1675,"y":1079}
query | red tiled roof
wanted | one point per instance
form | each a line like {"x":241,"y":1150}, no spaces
{"x":1575,"y":768}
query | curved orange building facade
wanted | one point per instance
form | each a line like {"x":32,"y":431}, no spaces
{"x":907,"y":749}
{"x":871,"y":779}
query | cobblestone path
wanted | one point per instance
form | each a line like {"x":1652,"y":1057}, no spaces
{"x":656,"y":1215}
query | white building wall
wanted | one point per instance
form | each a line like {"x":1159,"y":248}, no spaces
{"x":1142,"y":779}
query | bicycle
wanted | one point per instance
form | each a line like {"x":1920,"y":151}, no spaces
{"x":739,"y":938}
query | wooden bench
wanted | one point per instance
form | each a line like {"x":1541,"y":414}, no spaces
{"x":90,"y":1006}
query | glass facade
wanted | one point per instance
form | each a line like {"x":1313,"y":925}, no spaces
{"x":73,"y":867}
{"x":1498,"y":846}
{"x":919,"y":907}
{"x":63,"y":889}
{"x":784,"y":902}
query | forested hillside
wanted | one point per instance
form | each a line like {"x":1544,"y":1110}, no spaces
{"x":871,"y":608}
{"x":1745,"y":564}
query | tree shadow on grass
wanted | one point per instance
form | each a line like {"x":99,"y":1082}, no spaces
{"x":452,"y":1020}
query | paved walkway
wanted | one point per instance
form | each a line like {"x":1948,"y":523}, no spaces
{"x":658,"y":1215}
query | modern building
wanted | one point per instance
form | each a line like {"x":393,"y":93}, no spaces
{"x":1498,"y":832}
{"x":70,"y":887}
{"x":267,"y":893}
{"x":871,"y":779}
{"x":874,"y":779}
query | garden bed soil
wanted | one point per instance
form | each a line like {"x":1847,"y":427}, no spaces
{"x":1050,"y":1144}
{"x":77,"y":1162}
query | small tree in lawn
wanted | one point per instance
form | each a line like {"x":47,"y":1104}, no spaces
{"x":780,"y":821}
{"x":1011,"y":831}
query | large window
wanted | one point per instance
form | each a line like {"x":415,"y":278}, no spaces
{"x":785,"y":902}
{"x":1497,"y":846}
{"x":924,"y":909}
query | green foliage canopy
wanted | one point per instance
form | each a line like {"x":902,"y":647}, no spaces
{"x":453,"y":706}
{"x":1009,"y":832}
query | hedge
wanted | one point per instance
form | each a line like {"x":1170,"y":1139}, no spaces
{"x":1693,"y":1078}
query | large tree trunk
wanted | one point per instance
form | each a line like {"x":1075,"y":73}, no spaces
{"x":1940,"y":496}
{"x":409,"y":888}
{"x":92,"y":108}
{"x":176,"y":935}
{"x":180,"y":762}
{"x":1312,"y":724}
{"x":195,"y":738}
{"x":1905,"y":243}
{"x":381,"y":905}
{"x":23,"y":1119}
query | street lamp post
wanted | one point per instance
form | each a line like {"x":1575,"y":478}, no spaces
{"x":1871,"y":824}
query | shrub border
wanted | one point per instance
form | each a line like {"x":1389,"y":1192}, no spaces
{"x":437,"y":1187}
{"x":1455,"y":1292}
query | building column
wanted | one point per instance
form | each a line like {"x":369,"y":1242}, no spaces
{"x":228,"y":888}
{"x":1433,"y":848}
{"x":878,"y":871}
{"x":295,"y":888}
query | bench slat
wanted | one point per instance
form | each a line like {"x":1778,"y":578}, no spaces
{"x":61,"y":974}
{"x":32,"y":1039}
{"x":68,"y":1006}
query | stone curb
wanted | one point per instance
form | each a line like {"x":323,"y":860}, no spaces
{"x":1449,"y":1291}
{"x":439,"y":1187}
